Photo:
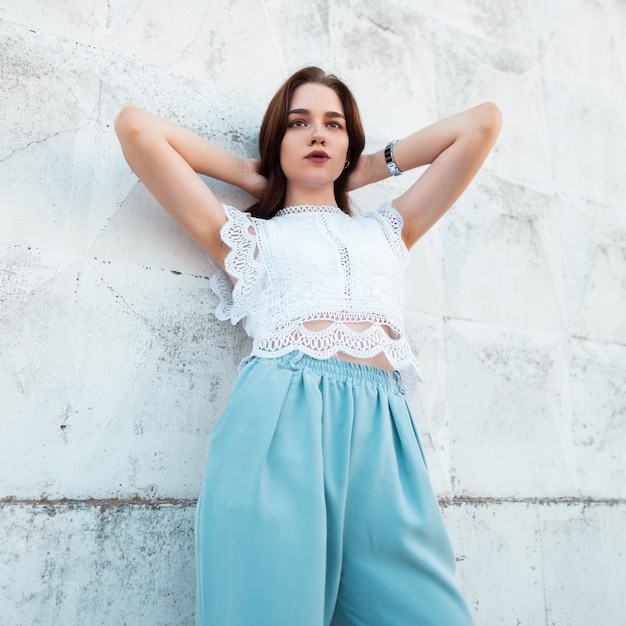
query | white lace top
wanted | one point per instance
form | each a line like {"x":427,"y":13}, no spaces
{"x":315,"y":263}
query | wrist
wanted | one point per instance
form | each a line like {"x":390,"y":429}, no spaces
{"x":241,"y":172}
{"x":390,"y":161}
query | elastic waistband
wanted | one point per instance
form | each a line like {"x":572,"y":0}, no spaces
{"x":337,"y":369}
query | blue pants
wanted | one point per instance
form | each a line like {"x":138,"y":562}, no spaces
{"x":316,"y":507}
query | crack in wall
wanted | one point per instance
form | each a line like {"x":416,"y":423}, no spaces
{"x":35,"y":142}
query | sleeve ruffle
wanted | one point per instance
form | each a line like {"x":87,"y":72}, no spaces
{"x":392,"y":223}
{"x":239,"y":234}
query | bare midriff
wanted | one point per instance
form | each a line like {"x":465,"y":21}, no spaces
{"x":378,"y":360}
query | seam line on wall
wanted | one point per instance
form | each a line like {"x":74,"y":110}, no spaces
{"x":191,"y":502}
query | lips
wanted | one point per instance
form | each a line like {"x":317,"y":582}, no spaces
{"x":317,"y":156}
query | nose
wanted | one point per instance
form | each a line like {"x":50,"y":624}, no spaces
{"x":317,"y":134}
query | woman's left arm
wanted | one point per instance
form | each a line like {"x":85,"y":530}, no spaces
{"x":455,"y":148}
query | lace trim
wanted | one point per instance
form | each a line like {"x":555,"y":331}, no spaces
{"x":344,"y":317}
{"x":222,"y":287}
{"x":393,"y":223}
{"x":344,"y":259}
{"x":308,"y":208}
{"x":337,"y":337}
{"x":240,"y":263}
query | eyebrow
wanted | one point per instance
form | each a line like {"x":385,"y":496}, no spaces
{"x":307,"y":112}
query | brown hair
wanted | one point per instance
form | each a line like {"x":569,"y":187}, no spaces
{"x":273,"y":130}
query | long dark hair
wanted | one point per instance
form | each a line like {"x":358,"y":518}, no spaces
{"x":273,"y":130}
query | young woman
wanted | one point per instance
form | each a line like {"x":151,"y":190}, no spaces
{"x":316,"y":506}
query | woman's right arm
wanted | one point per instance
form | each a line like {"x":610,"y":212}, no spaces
{"x":167,"y":158}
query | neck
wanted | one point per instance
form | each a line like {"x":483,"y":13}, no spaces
{"x":314,"y":197}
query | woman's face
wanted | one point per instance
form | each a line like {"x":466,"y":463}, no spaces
{"x":314,"y":148}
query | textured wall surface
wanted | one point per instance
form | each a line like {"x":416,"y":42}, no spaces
{"x":113,"y":369}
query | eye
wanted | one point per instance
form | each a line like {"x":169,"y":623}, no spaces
{"x":334,"y":124}
{"x":296,"y":124}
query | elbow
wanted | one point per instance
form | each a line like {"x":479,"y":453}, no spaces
{"x":128,"y":123}
{"x":489,"y":119}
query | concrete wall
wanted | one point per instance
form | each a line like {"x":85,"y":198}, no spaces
{"x":113,"y":369}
